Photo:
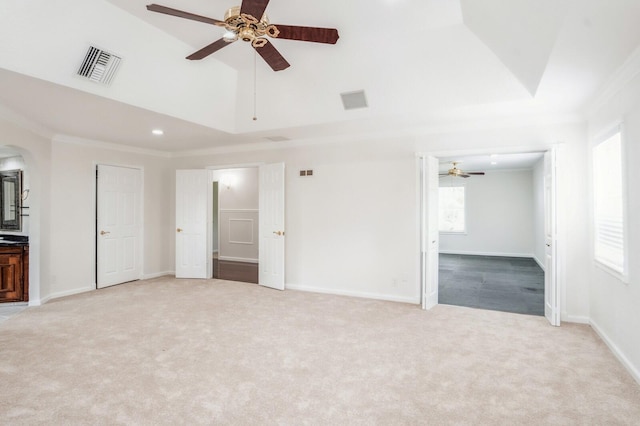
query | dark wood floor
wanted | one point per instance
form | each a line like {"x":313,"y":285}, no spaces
{"x":235,"y":271}
{"x":508,"y":284}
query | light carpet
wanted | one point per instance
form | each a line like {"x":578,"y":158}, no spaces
{"x":169,"y":351}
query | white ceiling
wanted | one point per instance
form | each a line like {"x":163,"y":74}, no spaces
{"x":492,"y":162}
{"x":421,"y":63}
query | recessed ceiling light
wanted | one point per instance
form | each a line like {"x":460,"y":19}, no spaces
{"x":493,"y":163}
{"x":157,"y":132}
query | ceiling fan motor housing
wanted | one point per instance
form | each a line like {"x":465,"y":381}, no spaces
{"x":249,"y":28}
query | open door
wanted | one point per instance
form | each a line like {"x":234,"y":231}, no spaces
{"x":551,"y":301}
{"x":193,"y":212}
{"x":429,"y":231}
{"x":271,"y":245}
{"x":118,"y":225}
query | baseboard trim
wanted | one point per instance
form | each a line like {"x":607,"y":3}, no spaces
{"x":67,"y":293}
{"x":486,"y":253}
{"x":576,"y":319}
{"x":635,"y":373}
{"x":540,"y":264}
{"x":237,"y":259}
{"x":363,"y":295}
{"x":157,"y":275}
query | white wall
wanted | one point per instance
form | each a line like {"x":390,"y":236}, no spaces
{"x":352,"y":228}
{"x":73,"y":213}
{"x":499,"y":213}
{"x":538,"y":213}
{"x":239,"y":217}
{"x":614,"y":307}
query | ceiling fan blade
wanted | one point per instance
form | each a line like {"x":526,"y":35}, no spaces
{"x":314,"y":34}
{"x":182,"y":14}
{"x":475,"y":173}
{"x":272,"y":57}
{"x":464,"y":176}
{"x":208,"y":50}
{"x":254,"y":8}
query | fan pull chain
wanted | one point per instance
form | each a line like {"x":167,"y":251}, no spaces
{"x":255,"y":86}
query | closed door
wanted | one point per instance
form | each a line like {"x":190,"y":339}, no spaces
{"x":119,"y":225}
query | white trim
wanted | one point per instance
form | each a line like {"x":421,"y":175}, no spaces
{"x":364,"y":295}
{"x":576,"y":319}
{"x":109,"y":145}
{"x":540,"y":264}
{"x":157,"y":275}
{"x":235,"y":166}
{"x":237,"y":259}
{"x":486,"y":253}
{"x":24,"y":123}
{"x":239,"y":210}
{"x":635,"y":373}
{"x":67,"y":293}
{"x":616,"y":83}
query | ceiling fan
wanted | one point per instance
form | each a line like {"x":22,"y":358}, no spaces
{"x":249,"y":23}
{"x":456,"y":172}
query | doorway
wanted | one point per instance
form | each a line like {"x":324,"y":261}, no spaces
{"x":491,"y":217}
{"x":468,"y":268}
{"x":235,"y":224}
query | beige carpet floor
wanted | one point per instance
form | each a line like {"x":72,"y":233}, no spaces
{"x":169,"y":351}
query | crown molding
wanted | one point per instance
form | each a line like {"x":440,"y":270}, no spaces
{"x":108,"y":145}
{"x":615,"y":83}
{"x":25,"y":123}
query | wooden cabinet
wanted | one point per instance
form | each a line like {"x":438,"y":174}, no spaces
{"x":14,"y":273}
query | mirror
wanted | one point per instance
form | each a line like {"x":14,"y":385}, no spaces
{"x":10,"y":200}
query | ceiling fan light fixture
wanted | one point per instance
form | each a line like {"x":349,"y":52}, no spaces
{"x":230,"y":36}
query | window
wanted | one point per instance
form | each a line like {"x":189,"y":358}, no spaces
{"x":609,"y":217}
{"x":451,"y":206}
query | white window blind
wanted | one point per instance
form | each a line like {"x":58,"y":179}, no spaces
{"x":451,"y":209}
{"x":609,"y":240}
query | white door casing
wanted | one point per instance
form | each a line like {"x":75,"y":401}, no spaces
{"x":271,"y":226}
{"x":119,"y":225}
{"x":193,"y":213}
{"x":551,"y":300}
{"x":429,"y":233}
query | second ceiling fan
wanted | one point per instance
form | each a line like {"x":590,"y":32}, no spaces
{"x":249,"y":23}
{"x":456,"y":172}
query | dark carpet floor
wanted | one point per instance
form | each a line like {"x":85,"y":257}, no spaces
{"x":507,"y":284}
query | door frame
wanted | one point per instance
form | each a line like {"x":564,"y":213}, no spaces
{"x":95,"y":216}
{"x":560,"y":207}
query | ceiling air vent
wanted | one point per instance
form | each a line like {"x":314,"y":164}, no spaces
{"x":354,"y":100}
{"x":99,"y":66}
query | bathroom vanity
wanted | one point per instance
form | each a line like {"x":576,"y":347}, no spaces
{"x":14,"y":268}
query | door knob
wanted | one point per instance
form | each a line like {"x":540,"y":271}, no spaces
{"x":104,"y":232}
{"x":278,"y":233}
{"x":179,"y":230}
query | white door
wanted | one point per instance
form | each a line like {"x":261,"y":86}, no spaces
{"x":271,"y":224}
{"x":193,"y":211}
{"x":429,"y":232}
{"x":551,"y":302}
{"x":119,"y":225}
